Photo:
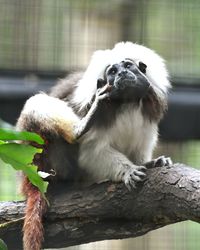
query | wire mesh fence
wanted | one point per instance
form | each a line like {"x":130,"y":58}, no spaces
{"x":60,"y":35}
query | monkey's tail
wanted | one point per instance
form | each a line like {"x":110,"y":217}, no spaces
{"x":35,"y":208}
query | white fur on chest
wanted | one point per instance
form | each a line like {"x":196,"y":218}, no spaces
{"x":127,"y":133}
{"x":131,"y":134}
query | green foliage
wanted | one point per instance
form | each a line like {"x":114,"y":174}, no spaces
{"x":20,"y":156}
{"x":3,"y":245}
{"x":6,"y":134}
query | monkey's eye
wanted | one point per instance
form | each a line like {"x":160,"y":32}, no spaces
{"x":142,"y":67}
{"x":112,"y":71}
{"x":127,"y":64}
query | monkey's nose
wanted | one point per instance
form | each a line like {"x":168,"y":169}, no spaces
{"x":122,"y":73}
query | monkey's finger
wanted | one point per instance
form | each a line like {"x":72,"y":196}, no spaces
{"x":163,"y":161}
{"x":130,"y":184}
{"x":140,"y":173}
{"x":136,"y":178}
{"x":160,"y":161}
{"x":169,"y":161}
{"x":141,"y":168}
{"x":104,"y":96}
{"x":104,"y":89}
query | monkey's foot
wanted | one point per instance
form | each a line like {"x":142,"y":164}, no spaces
{"x":161,"y":161}
{"x":133,"y":175}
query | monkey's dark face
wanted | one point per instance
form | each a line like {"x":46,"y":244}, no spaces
{"x":127,"y":81}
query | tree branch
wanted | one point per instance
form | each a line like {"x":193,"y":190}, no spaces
{"x":110,"y":211}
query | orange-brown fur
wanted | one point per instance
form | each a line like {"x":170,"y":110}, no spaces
{"x":35,"y":208}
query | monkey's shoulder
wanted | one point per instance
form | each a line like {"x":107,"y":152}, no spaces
{"x":65,"y":87}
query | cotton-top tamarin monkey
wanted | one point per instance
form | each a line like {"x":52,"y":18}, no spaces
{"x":101,"y":124}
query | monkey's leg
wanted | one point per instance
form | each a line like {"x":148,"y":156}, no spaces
{"x":46,"y":115}
{"x":49,"y":115}
{"x":105,"y":162}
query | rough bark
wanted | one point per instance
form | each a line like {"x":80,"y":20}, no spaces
{"x":109,"y":211}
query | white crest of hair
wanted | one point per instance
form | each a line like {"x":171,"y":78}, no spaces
{"x":87,"y":86}
{"x":156,"y":71}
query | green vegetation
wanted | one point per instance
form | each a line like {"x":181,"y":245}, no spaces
{"x":20,"y":156}
{"x":3,"y":245}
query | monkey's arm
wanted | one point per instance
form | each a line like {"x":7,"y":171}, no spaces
{"x":83,"y":125}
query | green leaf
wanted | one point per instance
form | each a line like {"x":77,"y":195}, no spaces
{"x":20,"y":156}
{"x":7,"y":134}
{"x":3,"y":245}
{"x":2,"y":142}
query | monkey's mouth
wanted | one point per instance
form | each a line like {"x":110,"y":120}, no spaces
{"x":133,"y":82}
{"x":124,"y":82}
{"x":129,"y":88}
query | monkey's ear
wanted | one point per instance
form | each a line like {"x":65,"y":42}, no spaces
{"x":100,"y":83}
{"x":142,"y":67}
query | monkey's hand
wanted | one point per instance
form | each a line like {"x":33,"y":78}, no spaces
{"x":102,"y":93}
{"x":83,"y":126}
{"x":132,"y":175}
{"x":161,"y":161}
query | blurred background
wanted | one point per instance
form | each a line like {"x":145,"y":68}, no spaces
{"x":41,"y":41}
